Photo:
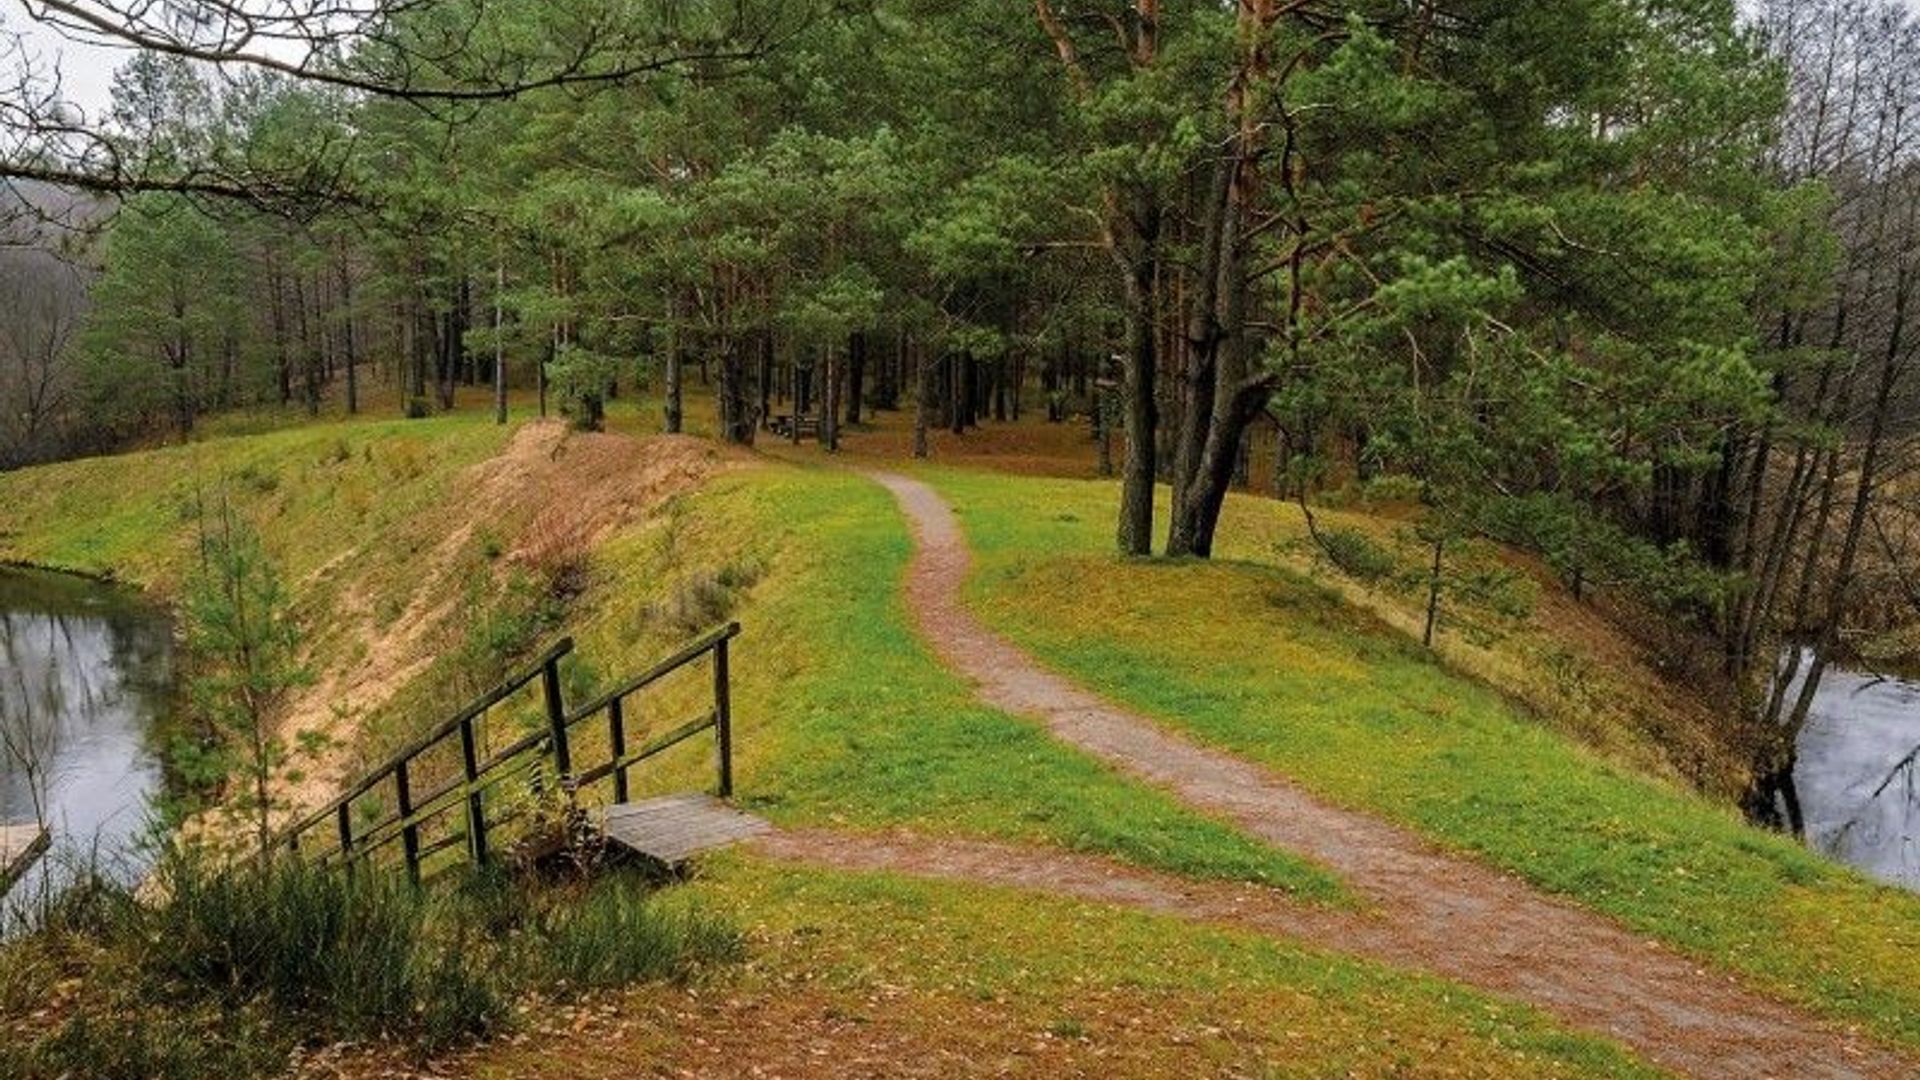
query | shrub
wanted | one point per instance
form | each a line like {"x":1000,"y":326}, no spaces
{"x":704,"y":600}
{"x":1392,"y":488}
{"x":618,"y":933}
{"x":581,"y":379}
{"x":1356,"y":554}
{"x":257,"y":480}
{"x":554,"y":546}
{"x":405,"y":461}
{"x":501,"y":627}
{"x":221,"y":971}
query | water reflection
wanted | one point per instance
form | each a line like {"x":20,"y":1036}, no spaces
{"x":1856,"y":774}
{"x":84,"y":676}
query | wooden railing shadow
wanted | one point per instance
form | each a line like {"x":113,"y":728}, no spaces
{"x":486,"y":790}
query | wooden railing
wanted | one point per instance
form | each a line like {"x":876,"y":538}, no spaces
{"x":331,"y":834}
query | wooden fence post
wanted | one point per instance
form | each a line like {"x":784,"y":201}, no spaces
{"x":557,"y":721}
{"x":409,"y":832}
{"x":476,"y":810}
{"x":723,"y":717}
{"x":617,"y":737}
{"x":346,"y":834}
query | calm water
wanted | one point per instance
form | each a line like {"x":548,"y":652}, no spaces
{"x":85,"y":674}
{"x":1860,"y":806}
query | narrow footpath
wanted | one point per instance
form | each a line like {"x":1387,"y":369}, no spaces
{"x":1429,"y":910}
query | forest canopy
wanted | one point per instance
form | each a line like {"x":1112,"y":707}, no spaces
{"x":1626,"y":283}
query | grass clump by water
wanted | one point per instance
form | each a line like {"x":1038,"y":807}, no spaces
{"x":212,"y":971}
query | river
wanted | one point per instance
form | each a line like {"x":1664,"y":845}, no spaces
{"x":85,"y":679}
{"x":1861,"y":805}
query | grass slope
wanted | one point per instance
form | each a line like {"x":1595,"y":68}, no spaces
{"x":1272,"y":666}
{"x":845,"y":717}
{"x":317,"y":491}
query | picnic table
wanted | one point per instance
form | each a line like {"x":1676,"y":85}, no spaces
{"x":783,"y":425}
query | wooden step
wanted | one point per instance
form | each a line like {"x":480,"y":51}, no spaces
{"x":674,"y":828}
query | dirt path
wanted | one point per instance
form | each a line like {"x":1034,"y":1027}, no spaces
{"x":1432,"y":911}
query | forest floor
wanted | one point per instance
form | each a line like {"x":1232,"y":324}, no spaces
{"x":1185,"y":935}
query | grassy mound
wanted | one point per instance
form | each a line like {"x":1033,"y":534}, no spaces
{"x":848,"y":720}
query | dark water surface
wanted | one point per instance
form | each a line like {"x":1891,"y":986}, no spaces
{"x":85,"y":678}
{"x":1862,"y":804}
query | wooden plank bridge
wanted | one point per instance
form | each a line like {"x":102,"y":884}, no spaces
{"x":447,"y":796}
{"x":674,"y":828}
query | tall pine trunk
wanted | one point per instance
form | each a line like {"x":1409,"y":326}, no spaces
{"x":351,"y":344}
{"x":922,"y":400}
{"x":856,"y":375}
{"x":671,"y":406}
{"x":499,"y":343}
{"x":1140,"y":467}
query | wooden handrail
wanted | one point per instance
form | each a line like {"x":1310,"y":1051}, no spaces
{"x":467,"y":788}
{"x":389,"y":828}
{"x":447,"y":797}
{"x":665,"y":742}
{"x":426,"y":742}
{"x":661,"y":670}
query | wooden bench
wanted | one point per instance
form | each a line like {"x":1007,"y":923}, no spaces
{"x":783,"y":425}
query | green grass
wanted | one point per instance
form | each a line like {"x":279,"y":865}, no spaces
{"x":847,"y":719}
{"x":319,"y":490}
{"x":220,"y":971}
{"x":1271,"y":666}
{"x":351,"y":512}
{"x":1251,"y":1005}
